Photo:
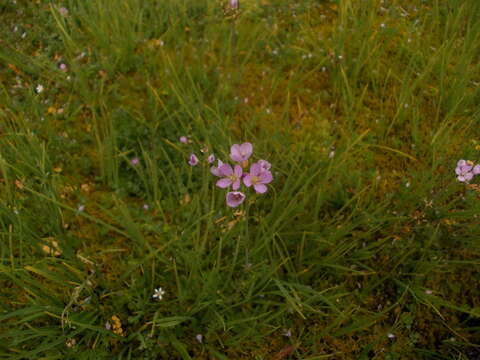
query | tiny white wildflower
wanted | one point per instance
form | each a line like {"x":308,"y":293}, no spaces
{"x":158,"y":293}
{"x":199,"y":338}
{"x":39,"y":88}
{"x":391,"y":336}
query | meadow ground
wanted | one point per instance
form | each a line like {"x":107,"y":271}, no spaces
{"x":365,"y":246}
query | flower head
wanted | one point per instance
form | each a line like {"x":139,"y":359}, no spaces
{"x":464,"y":171}
{"x":241,"y":153}
{"x":193,"y":160}
{"x":211,"y":158}
{"x":258,"y":177}
{"x":234,"y":4}
{"x":235,"y":198}
{"x":158,"y":293}
{"x":63,"y":11}
{"x":135,"y":161}
{"x":232,"y":176}
{"x":39,"y":88}
{"x":183,"y":139}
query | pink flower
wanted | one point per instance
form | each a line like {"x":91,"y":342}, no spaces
{"x":215,"y":170}
{"x":135,"y":161}
{"x":232,"y":176}
{"x":211,"y":158}
{"x":183,"y":139}
{"x":464,"y":171}
{"x":258,"y":178}
{"x":193,"y":160}
{"x":235,"y":198}
{"x":241,"y":153}
{"x":234,"y":4}
{"x":63,"y":11}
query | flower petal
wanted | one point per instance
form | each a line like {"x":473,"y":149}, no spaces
{"x":260,"y":188}
{"x":468,"y":176}
{"x":246,"y":149}
{"x":224,"y":183}
{"x":247,"y":180}
{"x":238,"y":171}
{"x":461,"y":162}
{"x":255,"y":169}
{"x":226,"y":170}
{"x":215,"y":171}
{"x":266,"y":177}
{"x":236,"y":184}
{"x":476,"y":170}
{"x":264,"y":164}
{"x":235,"y":153}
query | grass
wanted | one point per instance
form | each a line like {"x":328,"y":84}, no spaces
{"x":364,"y":247}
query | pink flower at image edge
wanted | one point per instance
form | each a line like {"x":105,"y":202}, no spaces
{"x":464,"y":171}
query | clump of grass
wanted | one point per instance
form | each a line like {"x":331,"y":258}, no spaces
{"x":365,"y":245}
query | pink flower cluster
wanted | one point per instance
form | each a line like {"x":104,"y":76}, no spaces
{"x":466,"y":170}
{"x":258,"y":177}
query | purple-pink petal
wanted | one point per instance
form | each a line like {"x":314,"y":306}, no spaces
{"x":247,"y":180}
{"x":265,"y":165}
{"x":260,"y":188}
{"x":211,"y":158}
{"x":266,"y":177}
{"x":226,"y":170}
{"x":476,"y":170}
{"x":224,"y":183}
{"x":236,"y":184}
{"x":238,"y":171}
{"x":246,"y":149}
{"x":461,"y":163}
{"x":235,"y":198}
{"x":255,"y":169}
{"x":468,"y":176}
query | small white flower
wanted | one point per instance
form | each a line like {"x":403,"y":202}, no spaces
{"x":158,"y":293}
{"x":80,"y":208}
{"x":391,"y":336}
{"x":39,"y":88}
{"x":199,"y":338}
